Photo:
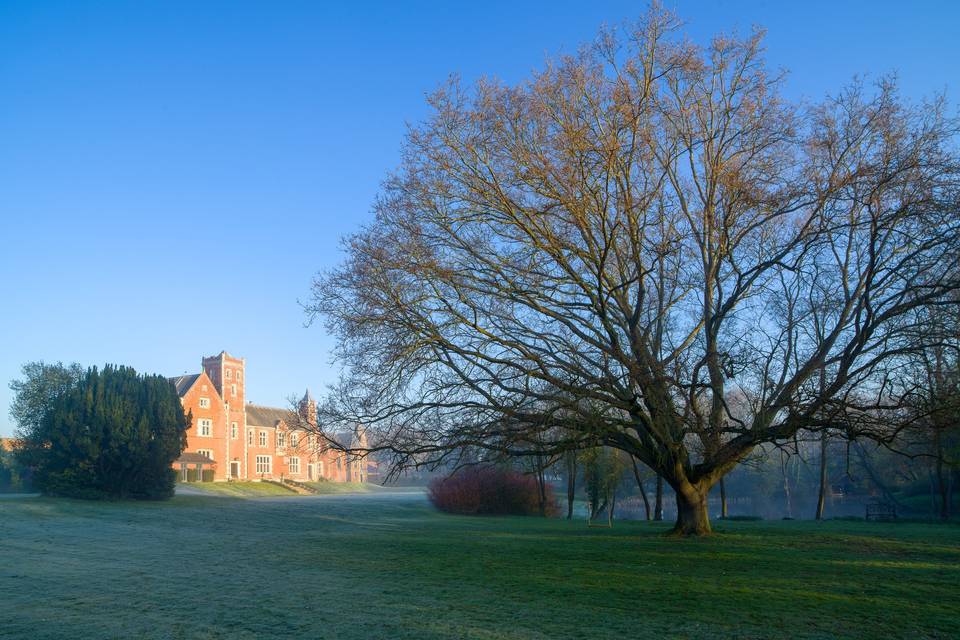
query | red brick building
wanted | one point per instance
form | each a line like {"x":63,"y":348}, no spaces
{"x":238,"y":440}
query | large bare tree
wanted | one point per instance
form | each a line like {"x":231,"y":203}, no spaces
{"x":645,"y":246}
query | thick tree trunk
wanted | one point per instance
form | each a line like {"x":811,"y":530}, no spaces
{"x":723,"y":499}
{"x":693,"y":518}
{"x":658,"y":505}
{"x":571,"y":482}
{"x":821,"y":496}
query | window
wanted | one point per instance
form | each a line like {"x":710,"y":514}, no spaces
{"x":206,"y":452}
{"x":233,"y":389}
{"x":228,"y":374}
{"x":263,"y":438}
{"x":339,"y":462}
{"x":238,"y":376}
{"x":204,"y":403}
{"x":281,"y":439}
{"x":294,"y":439}
{"x":263,"y":464}
{"x":293,"y":465}
{"x":205,"y":426}
{"x":233,"y":430}
{"x":249,"y":437}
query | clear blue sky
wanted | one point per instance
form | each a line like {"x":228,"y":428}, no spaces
{"x":172,"y":174}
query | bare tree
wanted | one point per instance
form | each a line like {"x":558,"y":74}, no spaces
{"x":621,"y":243}
{"x":936,"y":402}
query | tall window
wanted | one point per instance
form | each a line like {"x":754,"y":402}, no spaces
{"x":205,"y":426}
{"x":204,"y":403}
{"x":263,"y":438}
{"x":293,"y":465}
{"x":249,"y":437}
{"x":294,"y":439}
{"x":233,"y":431}
{"x":238,"y":376}
{"x":263,"y":464}
{"x":282,"y":439}
{"x":206,"y":452}
{"x":233,"y":389}
{"x":229,"y":373}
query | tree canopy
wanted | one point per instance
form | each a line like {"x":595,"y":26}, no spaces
{"x":111,"y":433}
{"x":647,"y":246}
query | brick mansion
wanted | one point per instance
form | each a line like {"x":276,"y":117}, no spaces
{"x":238,"y":440}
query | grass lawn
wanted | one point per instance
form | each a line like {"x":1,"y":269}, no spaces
{"x":237,"y":489}
{"x":244,"y":489}
{"x":383,"y":565}
{"x":333,"y":488}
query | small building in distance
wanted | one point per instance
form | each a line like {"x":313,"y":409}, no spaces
{"x":245,"y":441}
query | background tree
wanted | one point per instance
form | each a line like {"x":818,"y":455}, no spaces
{"x":936,"y":402}
{"x":34,"y":393}
{"x":633,"y":236}
{"x":603,"y":469}
{"x":112,"y":433}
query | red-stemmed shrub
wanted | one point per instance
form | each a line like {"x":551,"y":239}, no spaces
{"x":489,"y":491}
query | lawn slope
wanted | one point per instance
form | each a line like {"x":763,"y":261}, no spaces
{"x":387,"y":566}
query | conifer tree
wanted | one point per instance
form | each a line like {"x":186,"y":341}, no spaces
{"x":113,"y":434}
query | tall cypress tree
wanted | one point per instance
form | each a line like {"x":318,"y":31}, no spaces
{"x":113,"y":434}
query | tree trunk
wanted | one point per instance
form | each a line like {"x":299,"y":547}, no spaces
{"x":723,"y":499}
{"x":949,"y":494}
{"x":821,"y":497}
{"x":786,"y":484}
{"x":941,"y":482}
{"x":541,"y":487}
{"x":693,"y":518}
{"x":658,"y":505}
{"x":643,"y":492}
{"x":571,"y":482}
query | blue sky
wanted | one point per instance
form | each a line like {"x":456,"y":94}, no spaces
{"x":173,"y":174}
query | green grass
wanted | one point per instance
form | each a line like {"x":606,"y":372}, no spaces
{"x":240,"y":489}
{"x":387,"y":566}
{"x":334,"y":488}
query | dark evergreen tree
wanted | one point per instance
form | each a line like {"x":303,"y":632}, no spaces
{"x":113,"y":434}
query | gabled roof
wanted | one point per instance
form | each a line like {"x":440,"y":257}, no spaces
{"x":269,"y":416}
{"x":350,"y":439}
{"x":183,"y":383}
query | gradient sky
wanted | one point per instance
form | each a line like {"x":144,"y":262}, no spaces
{"x":173,"y":174}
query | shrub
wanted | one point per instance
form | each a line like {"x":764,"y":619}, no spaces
{"x":489,"y":491}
